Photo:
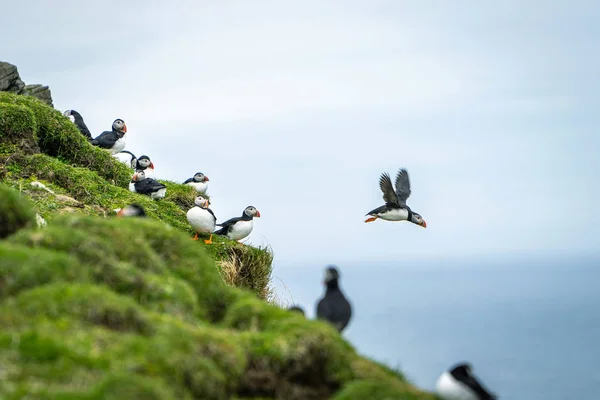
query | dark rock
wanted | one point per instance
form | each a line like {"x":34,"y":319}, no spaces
{"x":10,"y":81}
{"x":9,"y":78}
{"x":39,"y":91}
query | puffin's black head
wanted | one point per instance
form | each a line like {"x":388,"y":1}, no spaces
{"x":132,"y":210}
{"x":200,"y":177}
{"x":332,"y":276}
{"x":119,"y":125}
{"x":72,"y":115}
{"x":297,"y":309}
{"x":462,"y":369}
{"x":144,"y":162}
{"x":138,"y":176}
{"x":417,"y":219}
{"x":252,"y":212}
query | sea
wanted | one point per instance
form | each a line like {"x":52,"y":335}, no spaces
{"x":529,"y":325}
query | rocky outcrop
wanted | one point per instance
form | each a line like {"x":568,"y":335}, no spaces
{"x":10,"y":81}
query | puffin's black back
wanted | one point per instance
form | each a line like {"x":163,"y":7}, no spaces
{"x":148,"y":185}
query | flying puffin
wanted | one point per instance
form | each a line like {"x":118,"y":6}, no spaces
{"x":148,"y":186}
{"x":334,"y":307}
{"x":143,"y":163}
{"x":132,"y":210}
{"x":77,"y":119}
{"x":201,"y":218}
{"x":198,"y":181}
{"x":459,"y":384}
{"x":239,"y":227}
{"x":395,"y":208}
{"x":114,"y":140}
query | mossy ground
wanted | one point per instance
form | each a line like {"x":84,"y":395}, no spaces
{"x":39,"y":144}
{"x":98,"y":307}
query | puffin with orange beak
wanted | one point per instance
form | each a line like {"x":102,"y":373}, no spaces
{"x":114,"y":140}
{"x":145,"y":164}
{"x":198,"y":181}
{"x":239,"y":227}
{"x":395,"y":208}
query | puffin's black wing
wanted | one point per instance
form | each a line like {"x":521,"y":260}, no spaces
{"x":148,"y":185}
{"x":212,"y":213}
{"x":225,"y":226}
{"x":188,"y":180}
{"x":81,"y":124}
{"x":402,"y":186}
{"x":106,"y":139}
{"x":385,"y":184}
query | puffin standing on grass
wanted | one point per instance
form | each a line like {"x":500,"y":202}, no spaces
{"x":201,"y":218}
{"x":114,"y":140}
{"x":148,"y":186}
{"x":334,"y":307}
{"x":145,"y":164}
{"x":239,"y":227}
{"x":198,"y":181}
{"x":459,"y":384}
{"x":77,"y":119}
{"x":395,"y":208}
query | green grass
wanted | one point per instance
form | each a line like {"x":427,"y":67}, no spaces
{"x":98,"y":307}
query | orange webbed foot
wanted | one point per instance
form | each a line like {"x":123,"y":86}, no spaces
{"x":195,"y":237}
{"x":371,"y":219}
{"x":209,"y":240}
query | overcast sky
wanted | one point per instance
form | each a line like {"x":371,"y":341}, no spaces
{"x":298,"y":107}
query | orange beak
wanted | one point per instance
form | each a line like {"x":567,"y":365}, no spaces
{"x":424,"y":224}
{"x":257,"y":214}
{"x":121,"y":212}
{"x":206,"y":178}
{"x":124,"y":128}
{"x":152,"y":165}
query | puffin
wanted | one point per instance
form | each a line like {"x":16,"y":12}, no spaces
{"x":333,"y":306}
{"x":395,"y":208}
{"x":77,"y":119}
{"x":143,"y":163}
{"x":127,"y":157}
{"x":114,"y":140}
{"x":198,"y":181}
{"x":202,"y":218}
{"x":239,"y":227}
{"x":458,"y":383}
{"x":132,"y":210}
{"x":148,"y":186}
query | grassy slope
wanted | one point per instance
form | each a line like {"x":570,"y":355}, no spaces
{"x":100,"y":308}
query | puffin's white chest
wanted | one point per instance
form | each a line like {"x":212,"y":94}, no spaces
{"x":448,"y":388}
{"x":396,"y":214}
{"x":119,"y":145}
{"x":159,"y":194}
{"x":199,"y":186}
{"x":132,"y":186}
{"x":201,"y":220}
{"x":240,"y":230}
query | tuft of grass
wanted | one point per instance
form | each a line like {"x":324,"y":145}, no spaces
{"x":16,"y":212}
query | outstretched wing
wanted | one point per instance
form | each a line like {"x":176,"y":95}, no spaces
{"x":385,"y":184}
{"x":402,"y":186}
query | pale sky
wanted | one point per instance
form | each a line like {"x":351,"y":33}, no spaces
{"x":297,"y":108}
